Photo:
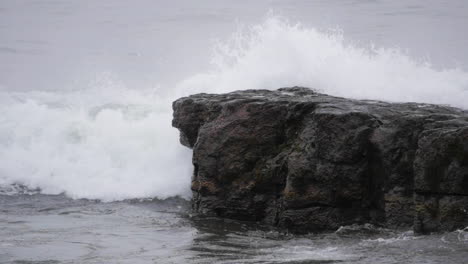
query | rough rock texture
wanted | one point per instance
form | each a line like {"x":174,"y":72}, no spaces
{"x":306,"y":161}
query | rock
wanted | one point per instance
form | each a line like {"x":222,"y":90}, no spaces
{"x":305,"y":161}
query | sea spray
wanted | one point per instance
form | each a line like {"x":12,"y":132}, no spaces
{"x":278,"y":53}
{"x":100,"y":143}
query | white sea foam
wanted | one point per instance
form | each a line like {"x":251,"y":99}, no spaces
{"x":104,"y":143}
{"x":111,"y":143}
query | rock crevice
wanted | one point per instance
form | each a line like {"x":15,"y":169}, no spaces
{"x":306,"y":161}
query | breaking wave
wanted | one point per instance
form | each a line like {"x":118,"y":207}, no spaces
{"x":109,"y":142}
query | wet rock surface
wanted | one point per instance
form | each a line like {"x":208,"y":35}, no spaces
{"x":305,"y":161}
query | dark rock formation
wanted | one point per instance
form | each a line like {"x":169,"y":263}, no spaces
{"x":306,"y":161}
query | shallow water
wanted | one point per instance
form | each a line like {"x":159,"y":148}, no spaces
{"x":55,"y":229}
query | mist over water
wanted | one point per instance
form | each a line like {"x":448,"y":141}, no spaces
{"x":104,"y":140}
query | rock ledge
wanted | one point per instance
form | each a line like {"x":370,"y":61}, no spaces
{"x":306,"y":161}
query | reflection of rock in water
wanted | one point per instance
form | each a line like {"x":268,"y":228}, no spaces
{"x":55,"y":229}
{"x":306,"y":161}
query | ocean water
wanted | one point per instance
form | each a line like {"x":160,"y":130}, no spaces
{"x":89,"y":157}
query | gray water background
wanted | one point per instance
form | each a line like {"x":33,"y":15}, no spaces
{"x":54,"y":44}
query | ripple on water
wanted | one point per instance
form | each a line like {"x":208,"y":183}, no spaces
{"x":163,"y":232}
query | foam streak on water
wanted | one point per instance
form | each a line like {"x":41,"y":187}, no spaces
{"x":109,"y":142}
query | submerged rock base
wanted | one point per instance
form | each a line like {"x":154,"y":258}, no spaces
{"x":306,"y":161}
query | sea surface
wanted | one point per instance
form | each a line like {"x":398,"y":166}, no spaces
{"x":55,"y":229}
{"x":91,"y":170}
